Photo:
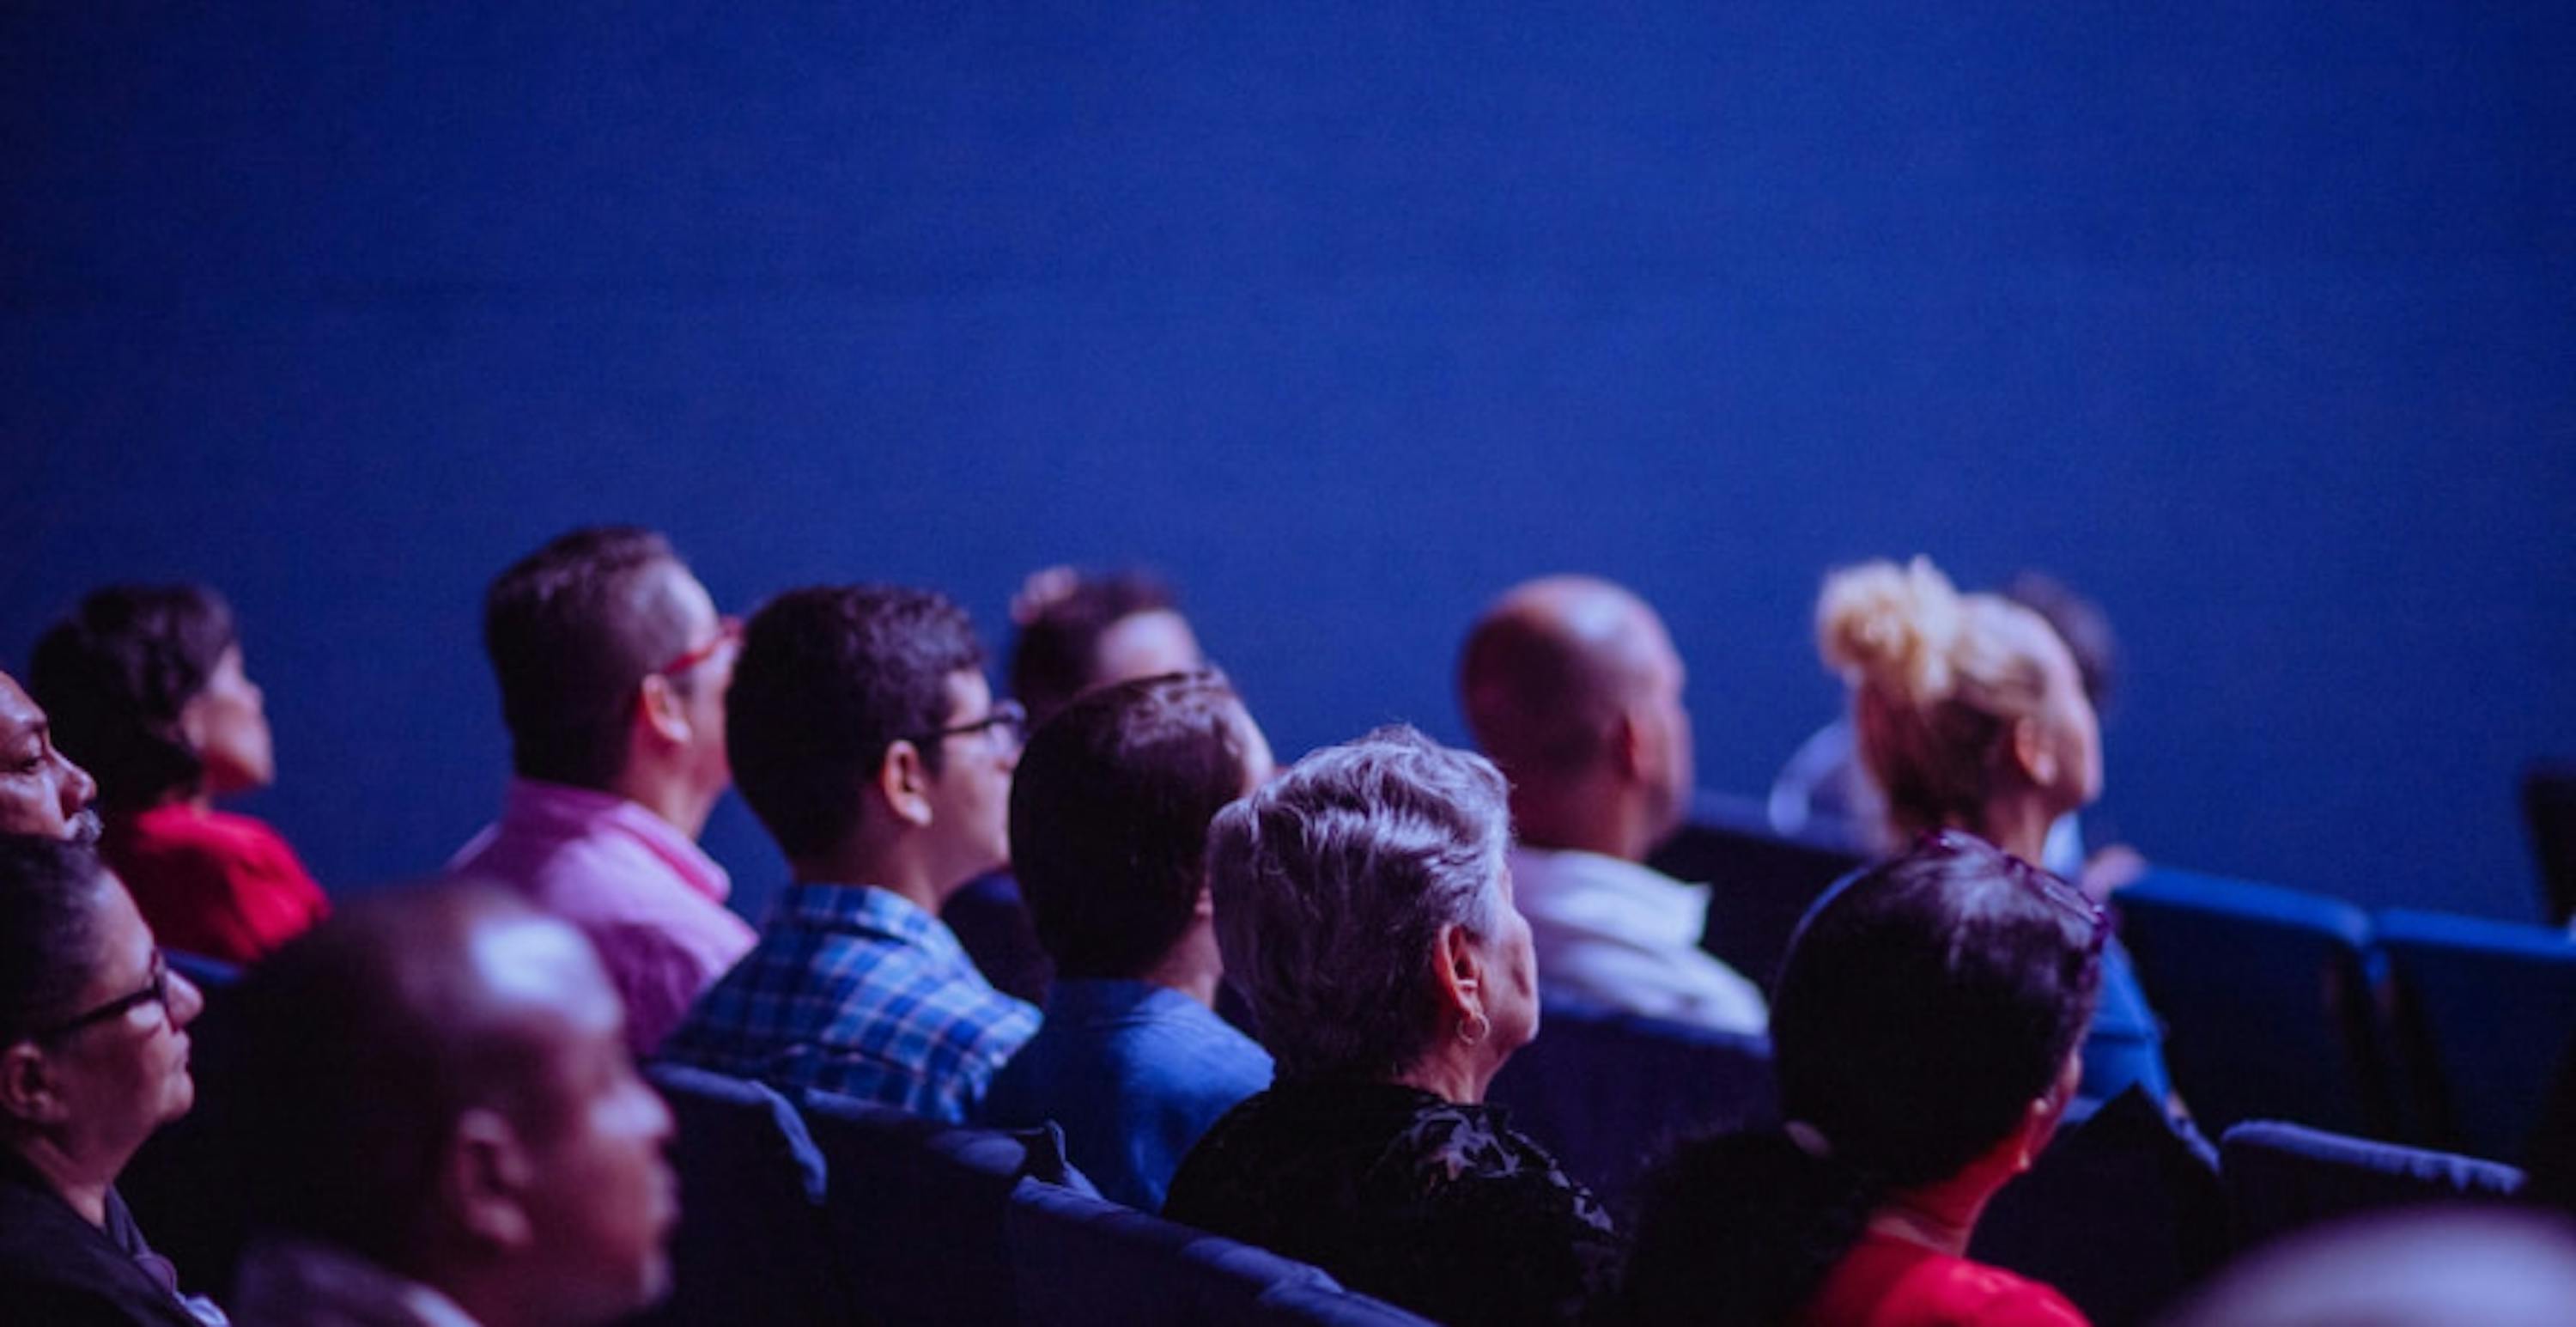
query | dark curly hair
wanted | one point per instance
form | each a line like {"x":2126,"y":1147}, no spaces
{"x":115,"y":676}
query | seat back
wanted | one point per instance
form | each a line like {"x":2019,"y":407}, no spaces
{"x":2549,"y":812}
{"x":2270,"y":999}
{"x":1760,"y":881}
{"x":2482,"y":1006}
{"x":1608,"y":1093}
{"x":918,"y":1208}
{"x":753,"y":1244}
{"x":1080,"y":1261}
{"x":2283,"y":1177}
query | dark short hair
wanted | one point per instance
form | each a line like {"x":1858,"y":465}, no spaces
{"x":49,"y":892}
{"x":1922,"y":1007}
{"x":572,"y":629}
{"x":114,"y":676}
{"x":1056,"y":654}
{"x":828,"y":678}
{"x":1109,"y":817}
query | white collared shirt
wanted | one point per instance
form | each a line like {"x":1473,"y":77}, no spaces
{"x":1625,"y":936}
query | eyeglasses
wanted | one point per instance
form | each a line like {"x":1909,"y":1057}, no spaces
{"x":1006,"y":727}
{"x":156,"y":991}
{"x":728,"y":632}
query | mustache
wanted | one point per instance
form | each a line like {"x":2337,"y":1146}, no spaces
{"x":85,"y":828}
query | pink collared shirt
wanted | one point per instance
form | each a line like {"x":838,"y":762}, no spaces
{"x":648,"y":898}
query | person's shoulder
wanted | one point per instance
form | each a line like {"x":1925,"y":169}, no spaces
{"x":1942,"y":1289}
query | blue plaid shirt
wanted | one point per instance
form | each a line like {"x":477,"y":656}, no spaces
{"x":855,"y":990}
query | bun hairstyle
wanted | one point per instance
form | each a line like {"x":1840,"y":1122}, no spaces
{"x":1923,"y":1005}
{"x":1937,"y":680}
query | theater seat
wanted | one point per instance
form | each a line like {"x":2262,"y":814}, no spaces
{"x":2269,"y":998}
{"x":1608,"y":1093}
{"x":752,"y":1245}
{"x":2549,"y":813}
{"x":2121,"y":1214}
{"x":918,"y":1209}
{"x":1080,"y":1261}
{"x":2284,"y":1177}
{"x":2484,"y":1008}
{"x":1760,"y":881}
{"x":208,"y":974}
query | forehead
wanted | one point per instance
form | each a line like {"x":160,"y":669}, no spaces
{"x":1147,"y":644}
{"x":969,"y":695}
{"x":18,"y":714}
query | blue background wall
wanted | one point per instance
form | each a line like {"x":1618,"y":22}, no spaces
{"x":2258,"y":323}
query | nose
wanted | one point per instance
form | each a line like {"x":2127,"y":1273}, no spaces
{"x":78,"y":788}
{"x":186,"y":1001}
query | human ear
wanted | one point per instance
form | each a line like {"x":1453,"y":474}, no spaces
{"x":1458,"y":972}
{"x":483,"y":1175}
{"x":2034,"y":752}
{"x":659,"y":707}
{"x":905,"y":784}
{"x":27,"y":1085}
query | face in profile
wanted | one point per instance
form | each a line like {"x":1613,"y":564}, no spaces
{"x":714,"y":644}
{"x":42,"y":793}
{"x":1666,"y":723}
{"x":1511,"y":962}
{"x":2070,"y":727}
{"x":123,"y":1070}
{"x":970,"y":796}
{"x":227,"y":723}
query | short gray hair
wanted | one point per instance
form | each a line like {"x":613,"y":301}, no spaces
{"x":1331,"y":886}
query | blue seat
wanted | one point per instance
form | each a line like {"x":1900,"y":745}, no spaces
{"x":1081,"y":1261}
{"x":1760,"y":881}
{"x":2484,"y":1007}
{"x":2283,"y":1177}
{"x":918,"y":1208}
{"x":2121,"y":1214}
{"x":1608,"y":1093}
{"x":2549,"y":813}
{"x":753,"y":1244}
{"x":208,"y":974}
{"x":2270,"y":1000}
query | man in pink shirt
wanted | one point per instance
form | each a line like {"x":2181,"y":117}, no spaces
{"x":613,"y":666}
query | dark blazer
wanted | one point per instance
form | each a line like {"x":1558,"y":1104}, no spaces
{"x":57,"y":1268}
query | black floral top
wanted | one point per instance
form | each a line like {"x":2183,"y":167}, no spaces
{"x":1435,"y":1206}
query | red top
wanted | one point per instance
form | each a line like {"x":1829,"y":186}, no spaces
{"x":1890,"y":1282}
{"x":211,"y":883}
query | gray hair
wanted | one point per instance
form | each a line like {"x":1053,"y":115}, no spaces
{"x":1331,"y":885}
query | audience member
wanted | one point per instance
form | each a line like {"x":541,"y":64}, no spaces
{"x":1076,"y":632}
{"x":93,"y":1059}
{"x":612,"y":664}
{"x":1572,"y":686}
{"x":449,"y":1130}
{"x":42,"y":792}
{"x":145,"y":685}
{"x":865,"y":738}
{"x":1364,"y":906}
{"x":1109,"y":822}
{"x":1924,"y":1035}
{"x":2429,"y":1267}
{"x":1970,"y":714}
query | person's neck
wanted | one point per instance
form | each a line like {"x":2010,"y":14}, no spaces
{"x":2018,"y":825}
{"x":898,"y":866}
{"x":1191,"y":966}
{"x":78,"y":1180}
{"x":1941,"y":1216}
{"x":1451,"y":1072}
{"x":1585,"y":815}
{"x":667,"y":794}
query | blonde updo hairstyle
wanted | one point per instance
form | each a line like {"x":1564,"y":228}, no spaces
{"x":1938,"y":680}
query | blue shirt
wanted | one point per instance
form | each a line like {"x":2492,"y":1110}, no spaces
{"x":854,"y":990}
{"x":2126,"y":1043}
{"x":1135,"y":1073}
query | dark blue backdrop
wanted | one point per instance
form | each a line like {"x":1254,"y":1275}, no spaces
{"x":2260,"y":323}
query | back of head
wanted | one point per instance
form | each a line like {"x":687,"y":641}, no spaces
{"x":1109,"y":817}
{"x":1062,"y":617}
{"x":1937,"y":678}
{"x":829,"y":678}
{"x":115,"y":676}
{"x":49,"y":919}
{"x":1545,"y":671}
{"x":2429,"y":1267}
{"x":571,"y":630}
{"x":1331,"y":884}
{"x":1923,"y":1006}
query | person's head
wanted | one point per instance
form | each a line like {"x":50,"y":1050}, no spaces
{"x":1109,"y":817}
{"x":42,"y":792}
{"x":1365,"y":912}
{"x":612,"y":664}
{"x":1958,"y":701}
{"x":93,"y":1024}
{"x":2080,"y":623}
{"x":1925,"y":1033}
{"x":860,"y":715}
{"x":2424,"y":1267}
{"x":445,"y":1090}
{"x":1077,"y":632}
{"x":1572,"y":686}
{"x":144,"y":684}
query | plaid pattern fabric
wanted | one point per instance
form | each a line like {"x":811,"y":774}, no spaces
{"x":855,"y":990}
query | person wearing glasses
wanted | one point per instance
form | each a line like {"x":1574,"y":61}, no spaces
{"x":145,"y":686}
{"x":613,"y":664}
{"x":93,"y":1060}
{"x":864,"y":736}
{"x":1971,"y":714}
{"x":1925,"y":1035}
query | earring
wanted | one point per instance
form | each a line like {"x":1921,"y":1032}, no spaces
{"x":1472,"y":1029}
